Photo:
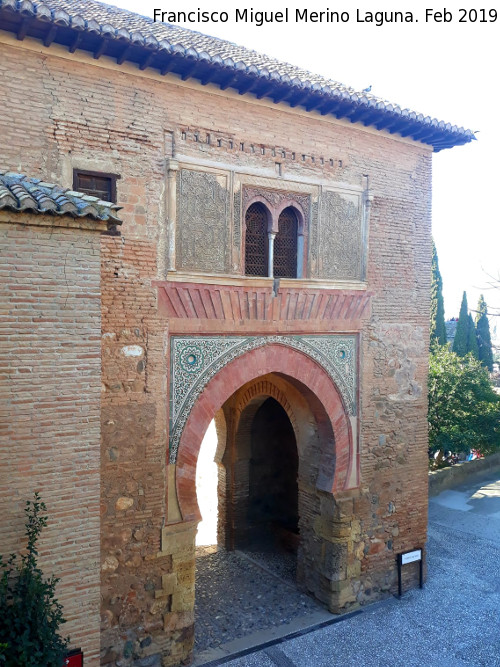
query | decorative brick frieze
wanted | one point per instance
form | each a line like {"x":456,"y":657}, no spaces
{"x":208,"y":141}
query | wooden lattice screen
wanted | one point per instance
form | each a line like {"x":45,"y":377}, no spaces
{"x":256,"y":240}
{"x":285,"y":245}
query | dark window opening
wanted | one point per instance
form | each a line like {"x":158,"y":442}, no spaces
{"x":256,"y":240}
{"x":285,"y":245}
{"x":96,"y":184}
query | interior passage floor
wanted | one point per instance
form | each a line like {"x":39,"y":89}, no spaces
{"x":239,"y":593}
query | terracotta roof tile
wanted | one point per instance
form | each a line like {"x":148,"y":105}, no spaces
{"x":20,"y":193}
{"x":192,"y":54}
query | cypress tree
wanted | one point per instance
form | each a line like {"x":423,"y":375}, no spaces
{"x":438,"y":329}
{"x":460,"y":344}
{"x":471,"y":338}
{"x":483,"y":334}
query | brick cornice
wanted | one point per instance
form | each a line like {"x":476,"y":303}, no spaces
{"x":260,"y":303}
{"x":38,"y":220}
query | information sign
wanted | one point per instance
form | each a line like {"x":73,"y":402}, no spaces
{"x":404,"y":559}
{"x":411,"y":556}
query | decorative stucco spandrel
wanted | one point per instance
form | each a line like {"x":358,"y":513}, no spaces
{"x":194,"y":360}
{"x":276,"y":199}
{"x":340,"y":242}
{"x":202,"y":221}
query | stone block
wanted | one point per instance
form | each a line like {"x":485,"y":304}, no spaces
{"x":334,"y":564}
{"x":183,"y":600}
{"x":168,"y":585}
{"x":178,"y":620}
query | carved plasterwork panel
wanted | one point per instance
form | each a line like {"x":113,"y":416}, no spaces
{"x":237,"y":220}
{"x":202,"y":221}
{"x":313,"y":240}
{"x":195,"y":360}
{"x":340,"y":244}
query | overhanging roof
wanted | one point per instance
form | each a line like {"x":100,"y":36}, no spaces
{"x":104,"y":30}
{"x":32,"y":195}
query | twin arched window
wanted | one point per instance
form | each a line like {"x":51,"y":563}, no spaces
{"x":261,"y":243}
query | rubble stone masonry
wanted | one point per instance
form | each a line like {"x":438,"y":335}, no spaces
{"x":77,"y":112}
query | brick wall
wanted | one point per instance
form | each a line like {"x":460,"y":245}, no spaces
{"x":93,"y":115}
{"x":50,"y":406}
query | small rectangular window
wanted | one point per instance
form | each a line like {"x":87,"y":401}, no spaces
{"x":96,"y":184}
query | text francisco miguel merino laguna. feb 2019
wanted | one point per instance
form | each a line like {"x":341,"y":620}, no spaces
{"x":377,"y":18}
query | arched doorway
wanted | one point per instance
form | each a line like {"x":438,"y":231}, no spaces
{"x":256,"y":547}
{"x":275,"y":383}
{"x":262,"y":462}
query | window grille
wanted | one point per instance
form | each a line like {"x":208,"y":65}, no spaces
{"x":256,"y":240}
{"x":285,"y":245}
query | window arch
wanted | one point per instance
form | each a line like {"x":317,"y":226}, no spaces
{"x":285,"y":245}
{"x":256,"y":240}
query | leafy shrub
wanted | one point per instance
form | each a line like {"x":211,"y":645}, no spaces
{"x":30,"y":615}
{"x":464,"y":410}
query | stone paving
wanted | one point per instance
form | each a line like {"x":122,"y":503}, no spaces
{"x":240,"y":593}
{"x":453,"y":622}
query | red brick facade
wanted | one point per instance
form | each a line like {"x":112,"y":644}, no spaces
{"x":50,"y":403}
{"x":177,"y":145}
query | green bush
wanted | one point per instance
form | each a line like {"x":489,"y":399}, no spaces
{"x":464,"y":410}
{"x":30,"y":615}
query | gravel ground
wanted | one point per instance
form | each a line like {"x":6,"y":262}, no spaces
{"x":453,"y":622}
{"x":238,"y":594}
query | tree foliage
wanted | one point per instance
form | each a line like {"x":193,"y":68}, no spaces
{"x":485,"y":355}
{"x":464,"y":410}
{"x":30,"y":614}
{"x":472,"y":346}
{"x":465,"y":335}
{"x":438,"y":328}
{"x":461,"y":333}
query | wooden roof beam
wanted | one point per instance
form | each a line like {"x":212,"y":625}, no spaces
{"x":50,"y":36}
{"x":147,"y":60}
{"x":23,"y":29}
{"x":100,"y":49}
{"x":76,"y":42}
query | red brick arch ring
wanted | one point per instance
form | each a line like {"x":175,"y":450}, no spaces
{"x":335,"y":466}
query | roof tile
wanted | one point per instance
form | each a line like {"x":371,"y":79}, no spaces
{"x":20,"y":193}
{"x":118,"y":24}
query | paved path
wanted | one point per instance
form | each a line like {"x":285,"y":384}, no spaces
{"x":244,"y":594}
{"x":453,"y":622}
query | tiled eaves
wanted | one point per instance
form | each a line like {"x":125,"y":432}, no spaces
{"x":32,"y":195}
{"x":104,"y":30}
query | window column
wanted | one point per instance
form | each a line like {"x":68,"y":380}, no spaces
{"x":270,"y":254}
